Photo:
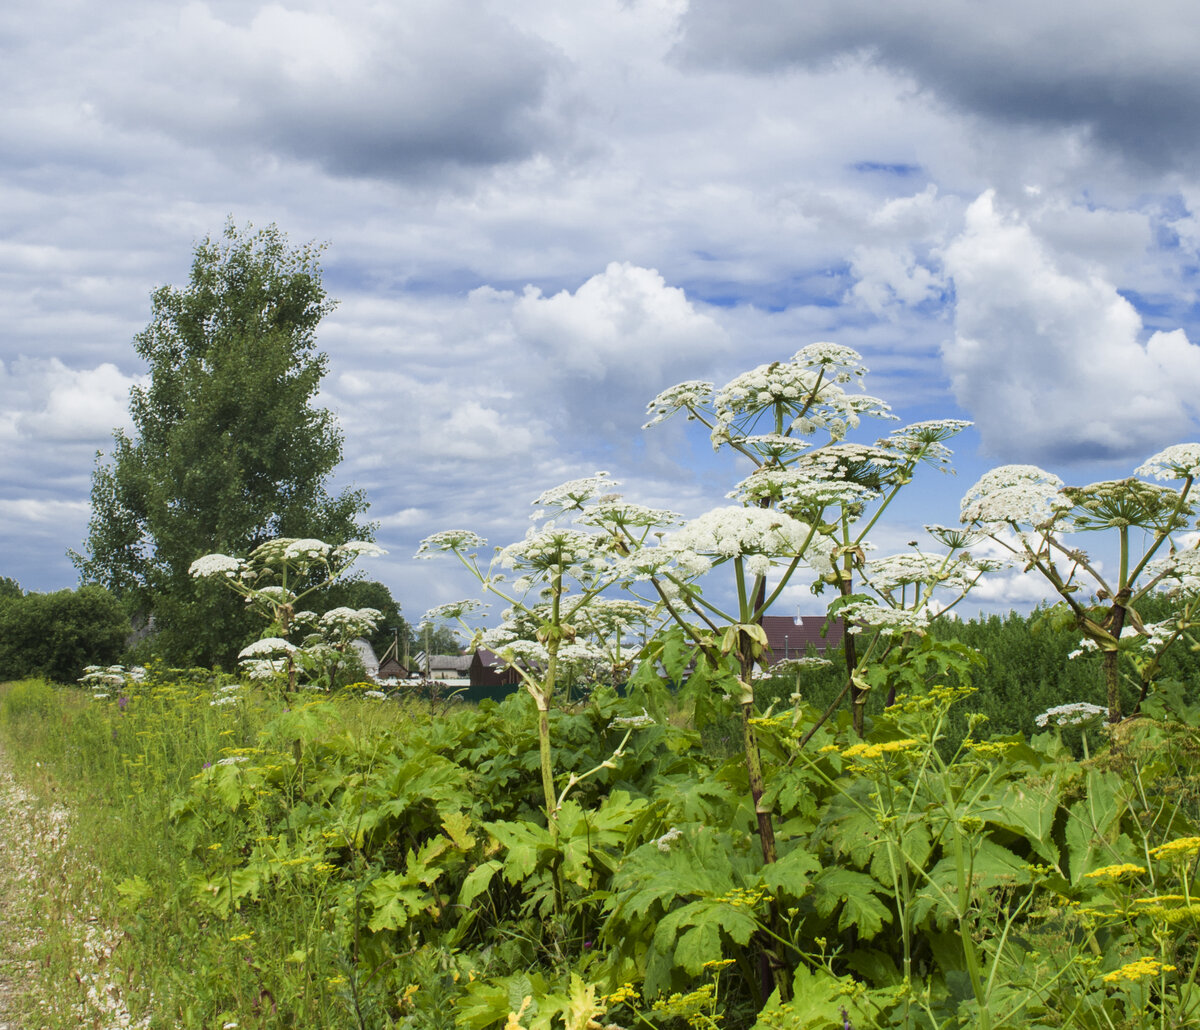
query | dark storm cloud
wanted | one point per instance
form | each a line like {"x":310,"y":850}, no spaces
{"x":1125,"y":73}
{"x":372,"y":91}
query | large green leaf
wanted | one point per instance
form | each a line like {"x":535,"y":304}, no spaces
{"x":857,"y":893}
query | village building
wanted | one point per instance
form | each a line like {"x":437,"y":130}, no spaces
{"x":791,"y":637}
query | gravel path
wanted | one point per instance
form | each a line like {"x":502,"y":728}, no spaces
{"x":35,"y":892}
{"x":21,"y":819}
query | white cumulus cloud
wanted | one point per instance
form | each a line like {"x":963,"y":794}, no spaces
{"x":1051,"y":365}
{"x":625,"y":318}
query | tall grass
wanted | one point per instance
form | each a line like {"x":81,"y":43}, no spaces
{"x":118,"y":926}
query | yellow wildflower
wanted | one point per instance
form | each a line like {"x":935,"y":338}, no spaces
{"x":626,"y":992}
{"x":878,"y":750}
{"x":1181,"y":848}
{"x":1140,"y":969}
{"x":1115,"y":872}
{"x":991,"y":748}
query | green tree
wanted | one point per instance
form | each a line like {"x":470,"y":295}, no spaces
{"x":438,"y":640}
{"x":9,"y":589}
{"x":228,"y":450}
{"x":56,"y":635}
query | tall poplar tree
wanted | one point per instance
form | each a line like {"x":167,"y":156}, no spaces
{"x":227,"y":449}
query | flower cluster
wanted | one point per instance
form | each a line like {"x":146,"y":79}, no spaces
{"x":1115,"y":872}
{"x":216,"y":565}
{"x":1181,"y":461}
{"x":899,"y":570}
{"x":664,"y":842}
{"x":353,"y":622}
{"x":1079,"y":713}
{"x":1182,"y":568}
{"x":890,"y":622}
{"x":1141,"y":969}
{"x":1184,"y":847}
{"x":632,"y":722}
{"x":887,"y":747}
{"x":1020,"y":495}
{"x":572,"y":495}
{"x":757,"y":534}
{"x":551,"y":550}
{"x":802,"y":492}
{"x":1118,"y":503}
{"x":451,"y":611}
{"x":687,"y":396}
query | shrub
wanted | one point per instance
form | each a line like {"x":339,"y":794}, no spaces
{"x":56,"y":635}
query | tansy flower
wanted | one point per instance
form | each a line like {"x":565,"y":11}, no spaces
{"x":1181,"y":848}
{"x":1115,"y":872}
{"x":1141,"y":969}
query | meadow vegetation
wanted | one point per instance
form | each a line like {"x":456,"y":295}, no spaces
{"x":345,"y":861}
{"x":936,"y":827}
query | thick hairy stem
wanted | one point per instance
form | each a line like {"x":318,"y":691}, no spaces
{"x":762,"y":810}
{"x":858,"y":696}
{"x":1112,"y":672}
{"x":543,"y":704}
{"x":772,"y":967}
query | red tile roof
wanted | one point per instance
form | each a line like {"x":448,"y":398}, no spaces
{"x":790,"y":637}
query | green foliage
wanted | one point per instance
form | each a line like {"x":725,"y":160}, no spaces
{"x":227,"y":450}
{"x":367,"y":863}
{"x":9,"y":589}
{"x":56,"y":635}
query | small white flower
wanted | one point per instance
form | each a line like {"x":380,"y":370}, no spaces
{"x":450,"y":540}
{"x":1076,"y":714}
{"x":1176,"y":462}
{"x":267,"y":646}
{"x":215,"y":565}
{"x":664,"y":842}
{"x":233,"y":760}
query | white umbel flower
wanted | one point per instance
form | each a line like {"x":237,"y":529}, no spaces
{"x":215,"y":565}
{"x":1015,"y":494}
{"x":1176,"y":462}
{"x":733,"y":532}
{"x":267,"y":647}
{"x":1077,"y":714}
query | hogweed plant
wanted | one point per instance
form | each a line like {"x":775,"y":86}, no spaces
{"x":839,"y":490}
{"x":276,"y":577}
{"x":556,"y":616}
{"x":803,"y":506}
{"x":1030,"y":513}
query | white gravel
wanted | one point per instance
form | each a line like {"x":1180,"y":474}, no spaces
{"x":34,"y":850}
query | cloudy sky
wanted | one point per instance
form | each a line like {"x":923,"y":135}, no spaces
{"x":539,"y":215}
